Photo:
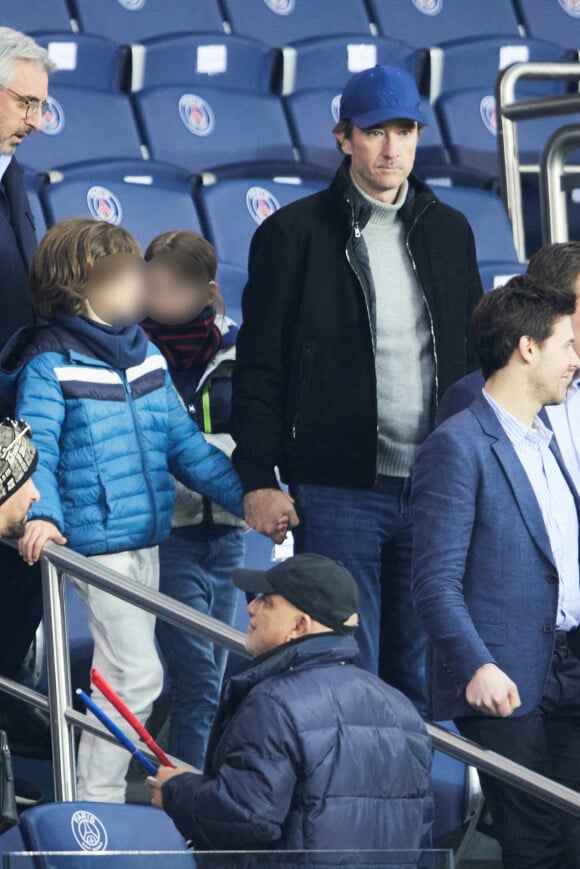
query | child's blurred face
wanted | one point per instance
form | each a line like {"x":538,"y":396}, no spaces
{"x":116,"y":290}
{"x":172,"y":298}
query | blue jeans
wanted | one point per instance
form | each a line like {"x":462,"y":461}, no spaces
{"x":196,"y":565}
{"x":369,"y":531}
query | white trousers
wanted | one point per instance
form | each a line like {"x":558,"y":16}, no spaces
{"x":125,"y":654}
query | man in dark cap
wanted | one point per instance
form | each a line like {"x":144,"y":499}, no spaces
{"x":308,"y":752}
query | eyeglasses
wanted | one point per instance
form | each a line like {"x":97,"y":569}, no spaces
{"x":30,"y":105}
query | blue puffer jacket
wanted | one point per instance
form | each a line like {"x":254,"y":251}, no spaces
{"x":309,"y":752}
{"x":108,"y":439}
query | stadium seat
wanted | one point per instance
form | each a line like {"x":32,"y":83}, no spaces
{"x":83,"y":61}
{"x":475,"y":63}
{"x":34,"y":15}
{"x":145,"y":198}
{"x":127,"y":21}
{"x":313,"y":113}
{"x":201,"y":128}
{"x":198,"y":59}
{"x":82,"y":125}
{"x":232,"y":280}
{"x":233,"y":208}
{"x":556,"y":20}
{"x":488,"y":218}
{"x":424,"y":23}
{"x":280,"y":22}
{"x":496,"y":274}
{"x":330,"y":61}
{"x":86,"y":827}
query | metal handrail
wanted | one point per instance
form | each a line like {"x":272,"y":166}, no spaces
{"x":552,"y":196}
{"x":510,"y":112}
{"x":58,"y":562}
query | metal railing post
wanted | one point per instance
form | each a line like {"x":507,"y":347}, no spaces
{"x":59,"y":687}
{"x":552,"y":195}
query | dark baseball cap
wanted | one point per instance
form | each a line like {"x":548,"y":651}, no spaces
{"x":379,"y":94}
{"x":319,"y":586}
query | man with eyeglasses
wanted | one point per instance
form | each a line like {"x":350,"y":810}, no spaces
{"x":24,"y":70}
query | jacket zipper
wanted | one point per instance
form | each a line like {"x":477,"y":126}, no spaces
{"x":142,"y":452}
{"x":426,"y":303}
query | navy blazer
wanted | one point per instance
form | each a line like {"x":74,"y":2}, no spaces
{"x":17,"y":249}
{"x":484,"y":580}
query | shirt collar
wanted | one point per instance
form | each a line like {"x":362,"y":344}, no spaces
{"x":539,"y":434}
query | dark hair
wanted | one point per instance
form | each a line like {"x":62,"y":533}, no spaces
{"x":189,"y":254}
{"x":524,"y":306}
{"x":557,"y":265}
{"x":65,"y":259}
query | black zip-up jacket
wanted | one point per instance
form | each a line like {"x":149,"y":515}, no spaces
{"x":304,"y":388}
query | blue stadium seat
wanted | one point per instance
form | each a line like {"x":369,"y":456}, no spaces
{"x":85,"y":827}
{"x":146,"y":198}
{"x":496,"y":274}
{"x":200,"y":59}
{"x":313,"y":113}
{"x":127,"y":21}
{"x":201,"y":127}
{"x":280,"y":22}
{"x":233,"y":208}
{"x":458,"y":799}
{"x":475,"y":63}
{"x":82,"y":125}
{"x":556,"y":20}
{"x":232,"y":280}
{"x":83,"y":61}
{"x":488,"y":218}
{"x":35,"y":15}
{"x":328,"y":62}
{"x":424,"y":23}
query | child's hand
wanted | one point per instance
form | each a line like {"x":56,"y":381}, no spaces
{"x":36,"y":533}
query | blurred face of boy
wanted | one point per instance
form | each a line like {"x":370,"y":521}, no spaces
{"x":14,"y":511}
{"x":116,"y":290}
{"x":382,"y":157}
{"x":174,"y":299}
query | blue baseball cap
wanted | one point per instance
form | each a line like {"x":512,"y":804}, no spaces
{"x":379,"y":94}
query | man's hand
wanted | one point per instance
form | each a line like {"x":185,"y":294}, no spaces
{"x":164,"y":773}
{"x":271,"y":512}
{"x":492,"y":692}
{"x":36,"y":533}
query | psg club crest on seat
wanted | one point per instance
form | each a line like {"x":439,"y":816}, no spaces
{"x":132,"y":5}
{"x":196,"y":114}
{"x":104,"y":205}
{"x":428,"y":7}
{"x":89,"y":831}
{"x":488,"y":112}
{"x":572,"y":7}
{"x":261,"y":203}
{"x":335,"y":108}
{"x":52,"y":117}
{"x":281,"y":7}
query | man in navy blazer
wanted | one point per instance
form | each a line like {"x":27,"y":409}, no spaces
{"x":495,"y":567}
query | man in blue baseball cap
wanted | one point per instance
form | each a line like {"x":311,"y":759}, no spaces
{"x":356,"y":319}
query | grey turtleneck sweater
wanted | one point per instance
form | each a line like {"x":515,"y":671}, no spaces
{"x":404,"y":349}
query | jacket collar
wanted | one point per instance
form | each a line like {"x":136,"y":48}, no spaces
{"x":514,"y":471}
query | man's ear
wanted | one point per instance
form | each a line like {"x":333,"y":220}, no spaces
{"x":526,"y":349}
{"x":303,"y":625}
{"x":344,"y":144}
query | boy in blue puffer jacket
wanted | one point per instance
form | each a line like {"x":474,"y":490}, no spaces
{"x":110,"y":432}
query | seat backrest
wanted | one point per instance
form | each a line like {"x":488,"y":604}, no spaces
{"x":280,"y":22}
{"x":145,"y":198}
{"x":424,"y":23}
{"x":329,"y":61}
{"x":35,"y":15}
{"x":313,"y":113}
{"x":232,"y":280}
{"x":201,"y":128}
{"x":556,"y":20}
{"x":83,"y":61}
{"x":496,"y":274}
{"x":96,"y":827}
{"x":488,"y":219}
{"x":126,"y":21}
{"x":233,"y":209}
{"x":82,"y":125}
{"x":203,"y":59}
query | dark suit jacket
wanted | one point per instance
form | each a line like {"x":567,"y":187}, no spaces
{"x":484,"y":581}
{"x":17,"y":246}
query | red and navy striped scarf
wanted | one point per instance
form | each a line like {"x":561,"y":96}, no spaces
{"x":188,"y":346}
